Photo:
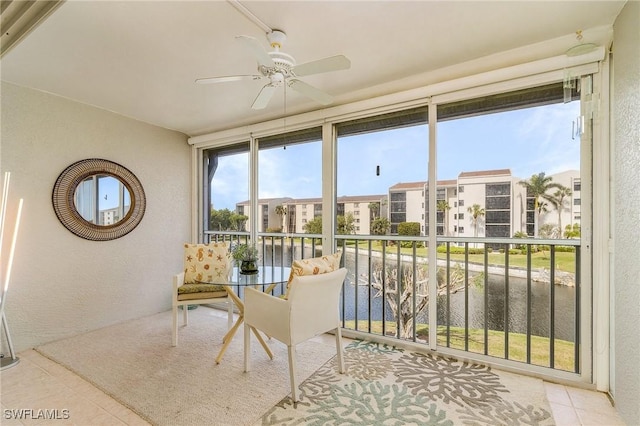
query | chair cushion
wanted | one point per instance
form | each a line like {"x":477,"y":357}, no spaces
{"x":200,"y":291}
{"x":314,"y":266}
{"x":206,"y":262}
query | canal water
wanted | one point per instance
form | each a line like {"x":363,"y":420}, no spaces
{"x":540,"y":298}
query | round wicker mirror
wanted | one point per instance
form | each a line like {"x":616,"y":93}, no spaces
{"x":81,"y":199}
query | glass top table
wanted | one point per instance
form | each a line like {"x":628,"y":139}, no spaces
{"x":267,"y":278}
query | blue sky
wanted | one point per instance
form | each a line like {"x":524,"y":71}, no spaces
{"x":108,"y":196}
{"x":527,"y":141}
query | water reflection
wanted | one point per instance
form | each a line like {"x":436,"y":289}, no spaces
{"x":359,"y":300}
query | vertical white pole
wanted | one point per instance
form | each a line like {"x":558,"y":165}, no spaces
{"x":10,"y":263}
{"x":3,"y":319}
{"x":3,"y":209}
{"x":11,"y":253}
{"x":433,"y":229}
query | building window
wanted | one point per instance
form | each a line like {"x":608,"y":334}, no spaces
{"x":461,"y":229}
{"x":461,"y":203}
{"x":455,"y":204}
{"x":461,"y":188}
{"x":455,"y":216}
{"x":576,"y":202}
{"x":356,"y":205}
{"x":460,"y":216}
{"x":576,"y":186}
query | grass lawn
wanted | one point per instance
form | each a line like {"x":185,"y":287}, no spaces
{"x":563,"y":356}
{"x":565,"y":261}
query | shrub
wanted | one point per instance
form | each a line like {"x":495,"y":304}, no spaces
{"x":409,"y":228}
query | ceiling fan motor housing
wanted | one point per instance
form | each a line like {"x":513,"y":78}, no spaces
{"x":283,"y":64}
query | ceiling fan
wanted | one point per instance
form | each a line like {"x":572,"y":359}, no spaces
{"x":280,"y":68}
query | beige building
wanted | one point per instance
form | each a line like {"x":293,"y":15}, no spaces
{"x":300,"y":211}
{"x":502,"y":202}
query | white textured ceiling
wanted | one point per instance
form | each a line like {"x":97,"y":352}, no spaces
{"x":140,"y":58}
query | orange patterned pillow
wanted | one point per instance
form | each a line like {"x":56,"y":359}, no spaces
{"x":206,"y":263}
{"x":314,"y":266}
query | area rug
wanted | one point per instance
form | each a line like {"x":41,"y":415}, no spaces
{"x":386,"y":385}
{"x":135,"y":364}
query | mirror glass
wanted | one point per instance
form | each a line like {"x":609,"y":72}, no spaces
{"x":98,"y":199}
{"x":102,"y":199}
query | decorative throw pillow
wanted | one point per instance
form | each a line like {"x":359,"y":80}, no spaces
{"x":209,"y":263}
{"x":314,"y":266}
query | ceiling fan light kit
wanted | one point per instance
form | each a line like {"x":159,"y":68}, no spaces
{"x":280,"y":68}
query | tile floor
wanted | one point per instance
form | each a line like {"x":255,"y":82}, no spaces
{"x":37,"y":383}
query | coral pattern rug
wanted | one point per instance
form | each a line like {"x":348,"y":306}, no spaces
{"x":386,"y":385}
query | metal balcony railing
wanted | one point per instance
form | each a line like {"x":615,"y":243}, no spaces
{"x":510,"y":298}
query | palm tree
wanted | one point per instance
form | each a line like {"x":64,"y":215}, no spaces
{"x":374,"y":208}
{"x":559,"y":198}
{"x":281,"y":211}
{"x":537,"y":188}
{"x":444,"y":207}
{"x":476,"y":213}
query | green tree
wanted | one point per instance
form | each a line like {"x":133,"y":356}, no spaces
{"x":226,"y":220}
{"x":572,"y":231}
{"x":380,"y":226}
{"x":409,"y":229}
{"x":547,"y":231}
{"x":538,"y":187}
{"x":444,"y":207}
{"x":520,"y":234}
{"x":476,"y":213}
{"x":238,"y":221}
{"x":374,"y":208}
{"x":281,"y":211}
{"x":346,"y":224}
{"x":314,"y":226}
{"x":558,"y":201}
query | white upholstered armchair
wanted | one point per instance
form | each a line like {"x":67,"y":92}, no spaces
{"x":310,"y":309}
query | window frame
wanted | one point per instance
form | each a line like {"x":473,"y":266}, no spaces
{"x":431,"y":95}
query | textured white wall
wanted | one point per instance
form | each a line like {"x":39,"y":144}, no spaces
{"x":61,"y":284}
{"x":626,"y":113}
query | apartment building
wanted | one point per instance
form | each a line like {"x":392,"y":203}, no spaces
{"x":503,"y":207}
{"x":298,"y":212}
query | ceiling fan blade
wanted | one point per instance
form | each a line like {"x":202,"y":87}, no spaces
{"x":226,"y":78}
{"x":332,"y":63}
{"x":264,"y":96}
{"x":310,"y":91}
{"x":257,"y":49}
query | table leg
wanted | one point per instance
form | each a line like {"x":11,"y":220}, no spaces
{"x":226,"y":340}
{"x":266,"y":347}
{"x":228,"y":337}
